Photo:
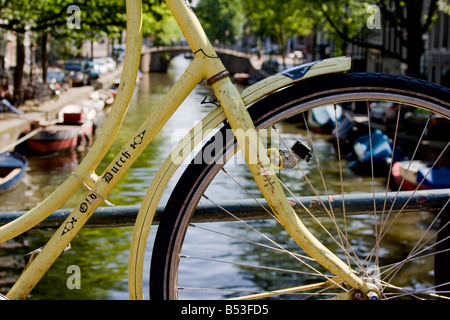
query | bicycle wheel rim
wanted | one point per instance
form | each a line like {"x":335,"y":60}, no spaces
{"x":285,"y":109}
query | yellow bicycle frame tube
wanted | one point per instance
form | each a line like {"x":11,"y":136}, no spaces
{"x":84,"y":174}
{"x":85,"y":171}
{"x":205,"y":65}
{"x":255,"y":155}
{"x":183,"y":150}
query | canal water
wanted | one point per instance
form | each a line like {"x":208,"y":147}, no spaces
{"x":101,"y":254}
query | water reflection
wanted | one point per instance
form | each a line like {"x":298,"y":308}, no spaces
{"x":102,"y":254}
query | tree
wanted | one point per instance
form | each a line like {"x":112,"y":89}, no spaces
{"x":408,"y":20}
{"x":160,"y":25}
{"x":97,"y":18}
{"x":279,"y":19}
{"x":222,"y":20}
{"x":345,"y":18}
{"x":26,"y":15}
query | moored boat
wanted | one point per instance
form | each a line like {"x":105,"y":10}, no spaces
{"x":347,"y":131}
{"x":420,"y":175}
{"x":374,"y":152}
{"x":324,"y":119}
{"x":76,"y":114}
{"x":105,"y":95}
{"x":75,"y":128}
{"x":60,"y":137}
{"x":12,"y":169}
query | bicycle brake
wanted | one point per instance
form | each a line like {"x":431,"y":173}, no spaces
{"x":289,"y":159}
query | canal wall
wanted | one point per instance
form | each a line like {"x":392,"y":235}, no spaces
{"x":14,"y":126}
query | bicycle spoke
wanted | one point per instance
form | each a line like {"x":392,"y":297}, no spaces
{"x":297,"y":257}
{"x":341,"y":178}
{"x":329,"y":210}
{"x":251,"y":266}
{"x":251,"y":242}
{"x":367,"y":243}
{"x":403,"y":180}
{"x":417,"y":293}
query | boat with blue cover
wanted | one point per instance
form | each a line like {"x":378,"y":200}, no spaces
{"x":12,"y":169}
{"x":374,"y":150}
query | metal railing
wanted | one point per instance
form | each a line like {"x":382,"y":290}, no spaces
{"x":353,"y":204}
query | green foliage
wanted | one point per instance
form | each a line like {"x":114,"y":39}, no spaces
{"x":159,"y":25}
{"x":97,"y":17}
{"x":222,"y":20}
{"x":272,"y":17}
{"x":347,"y":17}
{"x":95,"y":20}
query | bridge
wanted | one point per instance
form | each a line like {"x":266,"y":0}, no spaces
{"x":157,"y":60}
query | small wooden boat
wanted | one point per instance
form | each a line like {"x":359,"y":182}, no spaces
{"x":76,"y":114}
{"x":60,"y":137}
{"x":323,"y":119}
{"x":420,"y":175}
{"x":12,"y":169}
{"x":75,"y":129}
{"x":105,"y":95}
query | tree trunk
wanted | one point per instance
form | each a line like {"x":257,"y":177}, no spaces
{"x":282,"y":46}
{"x":44,"y":64}
{"x":414,"y":51}
{"x":414,"y":43}
{"x":314,"y":45}
{"x":18,"y":72}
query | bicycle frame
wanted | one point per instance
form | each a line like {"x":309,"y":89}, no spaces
{"x":205,"y":65}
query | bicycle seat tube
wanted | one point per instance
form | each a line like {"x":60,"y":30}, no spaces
{"x":253,"y":149}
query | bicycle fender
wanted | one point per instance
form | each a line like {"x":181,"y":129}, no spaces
{"x":295,"y":74}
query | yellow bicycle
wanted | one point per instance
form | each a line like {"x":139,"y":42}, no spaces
{"x":272,"y":125}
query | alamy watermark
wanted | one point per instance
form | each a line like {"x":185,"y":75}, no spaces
{"x":74,"y":20}
{"x":74,"y":280}
{"x":192,"y":150}
{"x":218,"y":141}
{"x":374,"y":19}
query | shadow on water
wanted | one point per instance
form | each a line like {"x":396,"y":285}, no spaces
{"x":102,"y":254}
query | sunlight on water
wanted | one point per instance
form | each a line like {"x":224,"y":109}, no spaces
{"x":102,"y":254}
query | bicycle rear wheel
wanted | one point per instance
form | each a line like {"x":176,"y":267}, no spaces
{"x":390,"y":133}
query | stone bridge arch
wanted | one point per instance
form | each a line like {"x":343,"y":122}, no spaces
{"x":158,"y":59}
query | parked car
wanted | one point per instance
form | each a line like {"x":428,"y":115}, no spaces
{"x":119,"y":52}
{"x":102,"y":66}
{"x":78,"y":72}
{"x":81,"y":72}
{"x":271,"y":66}
{"x":58,"y":78}
{"x":94,"y":70}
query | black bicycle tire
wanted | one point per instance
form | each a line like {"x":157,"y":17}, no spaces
{"x":175,"y":216}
